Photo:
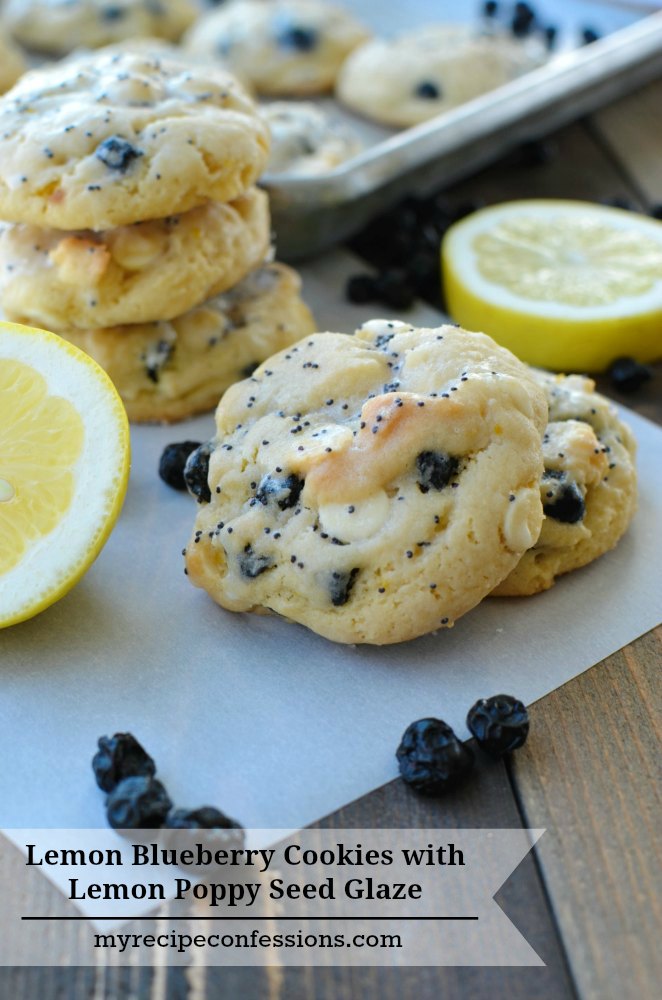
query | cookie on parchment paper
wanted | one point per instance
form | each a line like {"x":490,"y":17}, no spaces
{"x":375,"y":487}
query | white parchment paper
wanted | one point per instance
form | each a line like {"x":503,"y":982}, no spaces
{"x":269,"y":722}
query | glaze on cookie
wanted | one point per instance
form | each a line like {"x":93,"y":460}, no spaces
{"x":171,"y":370}
{"x":588,"y":489}
{"x":285,"y":47}
{"x":59,"y":26}
{"x":132,"y":274}
{"x":373,"y":488}
{"x":115,"y":138}
{"x":421,"y":74}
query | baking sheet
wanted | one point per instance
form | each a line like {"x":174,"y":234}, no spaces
{"x":257,"y":716}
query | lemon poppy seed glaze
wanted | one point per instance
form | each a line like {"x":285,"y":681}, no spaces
{"x":395,"y":487}
{"x":565,"y":285}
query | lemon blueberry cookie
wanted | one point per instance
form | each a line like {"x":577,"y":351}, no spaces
{"x":131,"y":274}
{"x":114,"y":138}
{"x":12,"y":63}
{"x":288,"y":47}
{"x":375,"y":487}
{"x":406,"y":80}
{"x":588,"y":488}
{"x":58,"y":26}
{"x":171,"y":370}
{"x":304,"y":140}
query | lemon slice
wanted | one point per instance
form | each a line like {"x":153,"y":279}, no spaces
{"x":64,"y":467}
{"x":567,"y":285}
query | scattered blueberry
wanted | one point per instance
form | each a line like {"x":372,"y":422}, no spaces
{"x":589,"y":35}
{"x":431,"y":758}
{"x":118,"y":757}
{"x":340,"y":586}
{"x":361,"y":288}
{"x":196,"y":472}
{"x":435,"y":469}
{"x":298,"y":38}
{"x":536,"y":153}
{"x":251,"y":564}
{"x":117,"y":153}
{"x":523,"y":20}
{"x":500,"y":724}
{"x":112,"y":13}
{"x":394,"y":290}
{"x":204,"y":818}
{"x":628,"y":375}
{"x":172,"y":462}
{"x":551,"y":33}
{"x":136,"y":802}
{"x":428,"y":91}
{"x":285,"y":491}
{"x":561,"y":499}
{"x":490,"y":8}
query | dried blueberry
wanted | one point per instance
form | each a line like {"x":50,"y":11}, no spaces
{"x":285,"y":492}
{"x":551,"y":33}
{"x":196,"y":472}
{"x":427,"y":90}
{"x":431,"y":758}
{"x":204,"y":818}
{"x":248,"y":370}
{"x":361,"y":288}
{"x":251,"y":564}
{"x":490,"y":8}
{"x":172,"y":462}
{"x":156,"y":357}
{"x":340,"y":586}
{"x":117,"y":153}
{"x":536,"y":153}
{"x":298,"y":38}
{"x":500,"y":723}
{"x":394,"y":290}
{"x":137,"y":802}
{"x":589,"y":35}
{"x":561,"y":499}
{"x":436,"y":469}
{"x":628,"y":375}
{"x":118,"y":757}
{"x":112,"y":13}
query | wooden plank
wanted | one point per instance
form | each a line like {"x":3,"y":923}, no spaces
{"x":630,"y":130}
{"x":591,"y":776}
{"x":487,"y":801}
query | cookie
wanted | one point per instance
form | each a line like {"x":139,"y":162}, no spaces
{"x":305,"y":141}
{"x":171,"y":370}
{"x":588,"y":488}
{"x":373,"y":488}
{"x":115,"y":138}
{"x":287,"y":47}
{"x":411,"y":78}
{"x":58,"y":26}
{"x":12,"y":63}
{"x":132,"y":274}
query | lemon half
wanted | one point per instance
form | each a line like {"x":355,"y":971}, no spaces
{"x":64,"y":467}
{"x":564,"y":285}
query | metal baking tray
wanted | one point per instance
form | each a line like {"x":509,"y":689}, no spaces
{"x":312,"y":213}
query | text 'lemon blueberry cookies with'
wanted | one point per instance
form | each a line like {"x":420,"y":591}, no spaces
{"x":588,"y":488}
{"x":375,"y":487}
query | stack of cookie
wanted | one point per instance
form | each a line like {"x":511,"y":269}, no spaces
{"x":135,"y":229}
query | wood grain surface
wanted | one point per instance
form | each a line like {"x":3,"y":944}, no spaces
{"x":589,"y":900}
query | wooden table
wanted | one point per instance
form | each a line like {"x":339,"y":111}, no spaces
{"x":589,"y":901}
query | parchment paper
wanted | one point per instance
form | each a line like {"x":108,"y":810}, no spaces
{"x":257,"y":716}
